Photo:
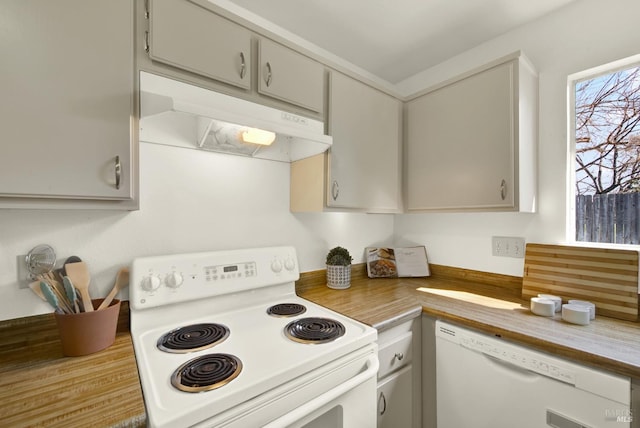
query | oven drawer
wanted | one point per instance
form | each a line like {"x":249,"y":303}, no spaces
{"x":395,"y":354}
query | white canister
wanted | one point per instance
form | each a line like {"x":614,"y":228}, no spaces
{"x":591,"y":306}
{"x":543,"y":307}
{"x":576,"y":314}
{"x":556,"y":299}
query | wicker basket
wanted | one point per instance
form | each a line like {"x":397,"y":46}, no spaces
{"x":338,"y":277}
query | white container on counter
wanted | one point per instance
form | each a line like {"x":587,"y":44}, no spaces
{"x":556,"y":299}
{"x":586,"y":304}
{"x":576,"y":314}
{"x":543,"y":307}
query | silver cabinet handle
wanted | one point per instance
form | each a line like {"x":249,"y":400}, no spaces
{"x":268,"y":79}
{"x":382,"y":400}
{"x":335,"y":190}
{"x":399,"y":356}
{"x":146,"y":41}
{"x":503,"y":190}
{"x":243,"y":66}
{"x":118,"y":171}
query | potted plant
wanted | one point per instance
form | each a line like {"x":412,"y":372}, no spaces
{"x":339,"y":268}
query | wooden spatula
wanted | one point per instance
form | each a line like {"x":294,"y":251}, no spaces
{"x":78,"y":273}
{"x":122,"y":280}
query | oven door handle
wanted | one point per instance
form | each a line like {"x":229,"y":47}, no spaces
{"x":327,"y":397}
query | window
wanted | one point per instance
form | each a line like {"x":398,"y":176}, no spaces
{"x":606,"y":160}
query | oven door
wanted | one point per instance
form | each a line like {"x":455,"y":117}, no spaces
{"x":348,"y":405}
{"x":339,"y":394}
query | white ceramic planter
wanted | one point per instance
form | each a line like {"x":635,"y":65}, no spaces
{"x":338,"y":277}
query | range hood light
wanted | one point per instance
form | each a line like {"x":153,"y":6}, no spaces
{"x":258,"y":136}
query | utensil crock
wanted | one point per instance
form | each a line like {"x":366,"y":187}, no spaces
{"x":88,"y":332}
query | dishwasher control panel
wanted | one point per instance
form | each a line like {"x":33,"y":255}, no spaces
{"x":518,"y":357}
{"x":498,"y":349}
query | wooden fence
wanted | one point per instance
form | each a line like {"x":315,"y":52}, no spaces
{"x":612,"y":218}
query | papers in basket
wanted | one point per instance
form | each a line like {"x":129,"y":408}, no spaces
{"x":397,"y":262}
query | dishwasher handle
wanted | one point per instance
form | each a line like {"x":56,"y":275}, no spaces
{"x":506,"y":365}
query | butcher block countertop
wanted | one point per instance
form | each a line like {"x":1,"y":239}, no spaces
{"x":40,"y":387}
{"x":486,"y":302}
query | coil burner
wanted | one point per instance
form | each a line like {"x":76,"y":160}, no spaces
{"x":314,"y":330}
{"x":194,"y":337}
{"x":286,"y":310}
{"x":206,"y":373}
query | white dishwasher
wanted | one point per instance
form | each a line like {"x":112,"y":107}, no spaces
{"x":484,"y":381}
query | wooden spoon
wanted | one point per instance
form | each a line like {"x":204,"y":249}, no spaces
{"x":122,"y":280}
{"x":78,"y":273}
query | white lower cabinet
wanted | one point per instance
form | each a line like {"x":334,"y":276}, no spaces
{"x":394,"y":400}
{"x":399,"y":376}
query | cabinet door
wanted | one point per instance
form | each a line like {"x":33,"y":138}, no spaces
{"x":395,"y":400}
{"x":190,"y":37}
{"x":461,"y":137}
{"x":289,"y":76}
{"x":67,"y":98}
{"x":364,"y":160}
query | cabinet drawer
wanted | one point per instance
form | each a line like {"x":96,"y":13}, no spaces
{"x":395,"y":354}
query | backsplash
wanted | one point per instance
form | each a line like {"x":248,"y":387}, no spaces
{"x":190,"y":201}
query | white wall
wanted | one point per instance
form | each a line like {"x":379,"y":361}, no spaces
{"x":583,"y":35}
{"x":190,"y":201}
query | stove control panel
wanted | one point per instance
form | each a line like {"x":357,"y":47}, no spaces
{"x":163,"y":280}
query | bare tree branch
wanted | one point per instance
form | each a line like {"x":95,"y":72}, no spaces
{"x":608,"y":133}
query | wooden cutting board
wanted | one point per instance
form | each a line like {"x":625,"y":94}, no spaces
{"x":606,"y":277}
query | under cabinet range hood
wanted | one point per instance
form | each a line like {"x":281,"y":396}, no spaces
{"x":180,"y":114}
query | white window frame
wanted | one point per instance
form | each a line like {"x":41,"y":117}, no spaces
{"x":572,"y":80}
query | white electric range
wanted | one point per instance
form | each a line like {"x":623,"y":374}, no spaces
{"x":221,"y":339}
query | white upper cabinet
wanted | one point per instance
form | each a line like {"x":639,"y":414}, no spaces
{"x":364,"y":161}
{"x":187,"y":36}
{"x":289,"y":76}
{"x":471,"y":142}
{"x":191,"y":36}
{"x":67,"y":85}
{"x":362,"y":169}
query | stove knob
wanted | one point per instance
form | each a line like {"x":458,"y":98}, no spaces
{"x":174,"y":280}
{"x":150,"y":283}
{"x":276,"y":266}
{"x":289,"y":264}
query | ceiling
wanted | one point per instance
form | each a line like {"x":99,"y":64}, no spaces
{"x":395,"y":39}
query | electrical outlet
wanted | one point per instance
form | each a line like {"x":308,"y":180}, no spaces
{"x":517,"y":247}
{"x":507,"y":246}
